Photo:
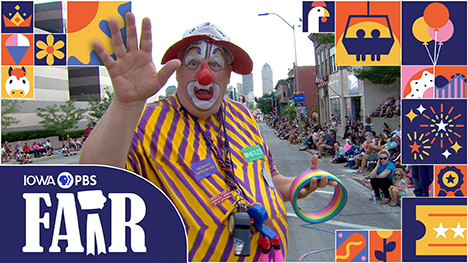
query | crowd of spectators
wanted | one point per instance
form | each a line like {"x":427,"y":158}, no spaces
{"x":24,"y":153}
{"x":389,"y":109}
{"x":362,"y":148}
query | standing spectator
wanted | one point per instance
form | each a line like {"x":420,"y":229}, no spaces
{"x":422,"y":179}
{"x":348,"y":125}
{"x":381,"y":177}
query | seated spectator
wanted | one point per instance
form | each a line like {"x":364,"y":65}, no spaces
{"x":399,"y":187}
{"x":368,"y":126}
{"x":42,"y":150}
{"x":28,"y":150}
{"x":386,"y":129}
{"x":393,"y":145}
{"x":23,"y":158}
{"x":72,"y":144}
{"x":65,"y":150}
{"x":48,"y":146}
{"x":7,"y":153}
{"x":396,"y":108}
{"x":327,"y":143}
{"x":78,"y":144}
{"x":370,"y":154}
{"x":340,"y":154}
{"x":381,"y":178}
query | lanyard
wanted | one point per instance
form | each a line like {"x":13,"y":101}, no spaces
{"x":224,"y":162}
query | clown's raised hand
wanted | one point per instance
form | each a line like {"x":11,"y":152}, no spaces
{"x":133,"y":73}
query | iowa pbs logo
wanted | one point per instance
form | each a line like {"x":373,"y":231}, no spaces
{"x":318,"y":17}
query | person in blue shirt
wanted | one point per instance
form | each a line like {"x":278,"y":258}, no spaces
{"x":381,"y":177}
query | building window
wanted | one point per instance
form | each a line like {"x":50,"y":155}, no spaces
{"x":333,"y":67}
{"x":335,"y":108}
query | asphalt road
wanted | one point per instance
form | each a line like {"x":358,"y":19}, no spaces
{"x":359,"y":212}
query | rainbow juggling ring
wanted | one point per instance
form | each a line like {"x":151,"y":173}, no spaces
{"x":333,"y":208}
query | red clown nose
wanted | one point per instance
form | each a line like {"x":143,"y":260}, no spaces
{"x":205,"y":77}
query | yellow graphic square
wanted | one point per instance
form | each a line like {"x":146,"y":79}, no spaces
{"x":17,"y":82}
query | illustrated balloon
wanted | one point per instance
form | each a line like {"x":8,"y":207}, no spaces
{"x":443,"y":34}
{"x":420,"y":31}
{"x":436,"y":15}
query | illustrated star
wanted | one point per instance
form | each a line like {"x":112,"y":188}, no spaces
{"x":441,"y":125}
{"x":415,"y":147}
{"x":450,"y":179}
{"x":411,"y":115}
{"x":458,"y":231}
{"x":441,"y":231}
{"x":456,"y":147}
{"x":446,"y":154}
{"x":421,"y":109}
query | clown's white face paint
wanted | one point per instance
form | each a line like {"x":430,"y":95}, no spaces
{"x":205,"y":76}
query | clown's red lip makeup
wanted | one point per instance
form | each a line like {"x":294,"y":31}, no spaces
{"x":204,"y":94}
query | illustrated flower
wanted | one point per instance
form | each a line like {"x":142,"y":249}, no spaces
{"x":50,"y":49}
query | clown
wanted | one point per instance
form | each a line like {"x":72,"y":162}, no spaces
{"x":170,"y":142}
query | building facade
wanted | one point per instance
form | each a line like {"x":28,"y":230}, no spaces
{"x":267,"y":79}
{"x":340,"y":93}
{"x":247,"y":84}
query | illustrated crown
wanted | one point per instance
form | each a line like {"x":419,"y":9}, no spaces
{"x":17,"y":19}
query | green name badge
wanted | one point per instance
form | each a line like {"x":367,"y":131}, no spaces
{"x":253,"y":153}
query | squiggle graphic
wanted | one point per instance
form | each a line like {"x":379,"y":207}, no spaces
{"x":348,"y":252}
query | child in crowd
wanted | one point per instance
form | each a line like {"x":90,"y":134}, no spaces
{"x":399,"y":187}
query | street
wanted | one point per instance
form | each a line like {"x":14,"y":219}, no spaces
{"x":305,"y":238}
{"x":359,"y":212}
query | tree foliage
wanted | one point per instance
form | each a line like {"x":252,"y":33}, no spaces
{"x":321,"y":38}
{"x":97,"y":107}
{"x":10,"y":107}
{"x":289,"y":111}
{"x":378,"y":75}
{"x":265,"y":103}
{"x":60,"y":118}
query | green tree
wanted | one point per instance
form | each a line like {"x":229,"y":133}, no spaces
{"x":60,"y":118}
{"x":378,"y":75}
{"x":10,"y":107}
{"x":321,"y":38}
{"x":290,"y":111}
{"x":97,"y":107}
{"x":265,"y":103}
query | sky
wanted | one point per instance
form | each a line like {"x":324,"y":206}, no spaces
{"x":267,"y":39}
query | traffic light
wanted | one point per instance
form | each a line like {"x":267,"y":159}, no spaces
{"x":243,"y":99}
{"x":255,"y":99}
{"x":272,"y":106}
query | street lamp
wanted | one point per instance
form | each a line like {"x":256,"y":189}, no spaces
{"x":296,"y":88}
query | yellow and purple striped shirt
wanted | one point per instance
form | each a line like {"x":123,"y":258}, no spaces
{"x":165,"y":145}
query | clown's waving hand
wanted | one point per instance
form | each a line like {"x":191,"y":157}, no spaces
{"x":135,"y":79}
